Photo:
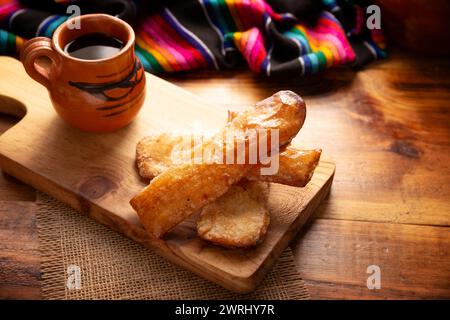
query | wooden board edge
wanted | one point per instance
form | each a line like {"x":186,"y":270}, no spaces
{"x":254,"y":280}
{"x":238,"y":284}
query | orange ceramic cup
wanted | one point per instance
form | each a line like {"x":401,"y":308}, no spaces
{"x":92,"y":95}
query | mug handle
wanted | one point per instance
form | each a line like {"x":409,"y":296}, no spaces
{"x":33,"y":49}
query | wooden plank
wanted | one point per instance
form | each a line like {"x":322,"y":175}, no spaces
{"x":333,"y":256}
{"x":19,"y":251}
{"x":386,"y":127}
{"x":96,"y":174}
{"x":12,"y":189}
{"x":373,"y":182}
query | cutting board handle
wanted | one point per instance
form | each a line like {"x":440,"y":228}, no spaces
{"x":18,"y":93}
{"x":12,"y":106}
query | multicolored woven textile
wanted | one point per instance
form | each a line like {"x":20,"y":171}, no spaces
{"x":274,"y":37}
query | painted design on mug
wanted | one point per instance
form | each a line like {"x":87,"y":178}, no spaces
{"x":114,"y":91}
{"x":100,"y":90}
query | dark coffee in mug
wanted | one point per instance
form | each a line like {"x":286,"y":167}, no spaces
{"x":94,"y":46}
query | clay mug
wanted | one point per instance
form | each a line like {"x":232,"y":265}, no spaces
{"x":92,"y":95}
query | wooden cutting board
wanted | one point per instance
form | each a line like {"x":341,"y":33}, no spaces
{"x":96,"y":174}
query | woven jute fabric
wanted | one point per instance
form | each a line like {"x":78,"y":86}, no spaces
{"x":112,"y":266}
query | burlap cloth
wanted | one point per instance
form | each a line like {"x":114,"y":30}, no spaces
{"x":115,"y":267}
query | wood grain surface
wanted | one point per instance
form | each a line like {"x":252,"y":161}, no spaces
{"x":387,"y":128}
{"x":19,"y":255}
{"x":96,"y":174}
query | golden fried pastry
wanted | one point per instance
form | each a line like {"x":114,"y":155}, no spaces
{"x":237,"y":219}
{"x":181,"y":190}
{"x":296,"y":167}
{"x":156,"y":154}
{"x":153,"y":154}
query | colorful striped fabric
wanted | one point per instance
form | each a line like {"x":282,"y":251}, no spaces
{"x":196,"y":34}
{"x":10,"y":44}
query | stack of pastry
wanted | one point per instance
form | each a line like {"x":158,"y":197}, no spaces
{"x":231,"y":198}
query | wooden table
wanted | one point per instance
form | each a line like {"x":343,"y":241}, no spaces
{"x":387,"y":128}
